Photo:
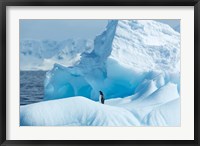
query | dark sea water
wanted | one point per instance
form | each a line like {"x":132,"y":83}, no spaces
{"x":31,"y":86}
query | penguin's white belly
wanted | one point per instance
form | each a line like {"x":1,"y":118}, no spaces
{"x":100,"y":98}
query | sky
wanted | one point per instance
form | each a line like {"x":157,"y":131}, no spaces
{"x":65,"y":29}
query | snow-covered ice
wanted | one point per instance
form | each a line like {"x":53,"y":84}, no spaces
{"x":123,"y":56}
{"x":41,"y":55}
{"x":136,"y":63}
{"x":78,"y":111}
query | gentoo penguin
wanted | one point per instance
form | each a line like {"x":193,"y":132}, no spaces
{"x":101,"y":97}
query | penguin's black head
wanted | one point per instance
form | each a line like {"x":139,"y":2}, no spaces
{"x":101,"y":92}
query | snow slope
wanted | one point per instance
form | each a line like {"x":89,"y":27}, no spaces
{"x":77,"y":111}
{"x":152,"y":108}
{"x":136,"y":63}
{"x":149,"y":104}
{"x":42,"y":55}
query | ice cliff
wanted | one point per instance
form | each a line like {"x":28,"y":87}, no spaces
{"x":124,"y":55}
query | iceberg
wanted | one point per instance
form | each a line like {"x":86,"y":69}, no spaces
{"x":136,"y":63}
{"x":152,"y":108}
{"x":125,"y":54}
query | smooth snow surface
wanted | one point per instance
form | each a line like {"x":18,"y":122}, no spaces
{"x":75,"y":111}
{"x":136,"y":63}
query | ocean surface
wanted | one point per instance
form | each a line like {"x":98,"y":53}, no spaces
{"x":31,"y":86}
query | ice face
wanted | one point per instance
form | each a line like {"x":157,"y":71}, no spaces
{"x":145,"y":45}
{"x":125,"y":54}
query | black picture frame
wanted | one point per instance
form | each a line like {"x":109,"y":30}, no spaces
{"x":5,"y":3}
